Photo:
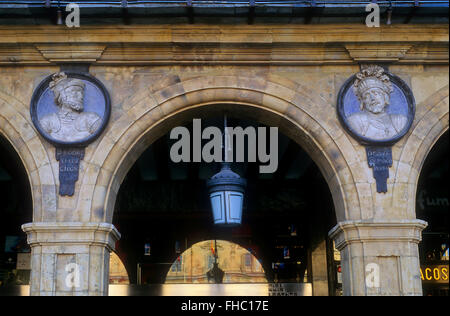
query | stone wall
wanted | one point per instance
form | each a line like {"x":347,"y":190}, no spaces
{"x":285,"y":76}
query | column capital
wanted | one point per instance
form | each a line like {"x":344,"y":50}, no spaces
{"x":71,"y":233}
{"x":347,"y":232}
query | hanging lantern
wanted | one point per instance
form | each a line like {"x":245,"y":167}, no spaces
{"x":226,"y":192}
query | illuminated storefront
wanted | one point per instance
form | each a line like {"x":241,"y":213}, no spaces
{"x":433,"y":206}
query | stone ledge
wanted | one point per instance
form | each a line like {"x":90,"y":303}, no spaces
{"x":378,"y":52}
{"x":347,"y":232}
{"x":51,"y":234}
{"x":79,"y":52}
{"x":333,"y":44}
{"x":206,"y":33}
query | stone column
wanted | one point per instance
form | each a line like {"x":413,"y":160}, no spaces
{"x":379,"y":257}
{"x":70,"y":258}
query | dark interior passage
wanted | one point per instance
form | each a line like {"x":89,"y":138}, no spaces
{"x":165,"y":205}
{"x":432,"y":206}
{"x":15,"y":210}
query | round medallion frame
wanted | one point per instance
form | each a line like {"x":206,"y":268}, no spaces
{"x":411,"y":107}
{"x":44,"y":86}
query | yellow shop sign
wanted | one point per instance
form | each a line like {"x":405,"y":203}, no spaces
{"x":434,"y":273}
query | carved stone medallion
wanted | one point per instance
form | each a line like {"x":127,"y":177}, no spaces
{"x":376,"y":108}
{"x":70,"y":110}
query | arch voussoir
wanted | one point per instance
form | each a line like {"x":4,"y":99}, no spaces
{"x":17,"y":128}
{"x":426,"y":130}
{"x":127,"y":138}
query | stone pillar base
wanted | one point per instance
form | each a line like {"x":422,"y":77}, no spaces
{"x":70,"y":258}
{"x":379,"y":257}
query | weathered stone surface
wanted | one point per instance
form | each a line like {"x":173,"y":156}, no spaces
{"x":70,"y":258}
{"x":385,"y":254}
{"x":285,"y":76}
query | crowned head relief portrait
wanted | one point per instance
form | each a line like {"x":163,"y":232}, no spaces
{"x":376,"y":106}
{"x":373,"y":89}
{"x":70,"y":123}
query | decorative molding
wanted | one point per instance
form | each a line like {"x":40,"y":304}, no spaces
{"x":82,"y":52}
{"x":436,"y":53}
{"x":224,"y":44}
{"x":202,"y":33}
{"x":12,"y":54}
{"x":347,"y":232}
{"x":191,"y":54}
{"x":378,"y":52}
{"x":51,"y":234}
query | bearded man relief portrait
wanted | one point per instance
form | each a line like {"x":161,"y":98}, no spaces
{"x":373,"y":89}
{"x":70,"y":123}
{"x":70,"y":108}
{"x":374,"y":107}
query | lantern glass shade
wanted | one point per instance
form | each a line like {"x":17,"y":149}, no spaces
{"x":226,"y":192}
{"x":227,"y":207}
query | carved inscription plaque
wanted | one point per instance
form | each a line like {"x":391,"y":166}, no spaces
{"x":70,"y":110}
{"x":377,"y":109}
{"x":380,"y":159}
{"x":69,"y":164}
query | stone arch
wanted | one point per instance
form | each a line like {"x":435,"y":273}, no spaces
{"x":16,"y":127}
{"x":275,"y":101}
{"x":224,"y":242}
{"x":432,"y":121}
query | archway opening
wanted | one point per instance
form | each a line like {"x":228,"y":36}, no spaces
{"x":117,"y":272}
{"x":432,"y":205}
{"x":15,"y":209}
{"x":163,"y":209}
{"x":238,"y":264}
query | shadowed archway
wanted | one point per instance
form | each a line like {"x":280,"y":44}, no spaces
{"x":290,"y":108}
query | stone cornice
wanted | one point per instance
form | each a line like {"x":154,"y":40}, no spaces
{"x":386,"y":52}
{"x":345,"y":233}
{"x":232,"y":44}
{"x":200,"y":33}
{"x":55,"y":53}
{"x":74,"y":233}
